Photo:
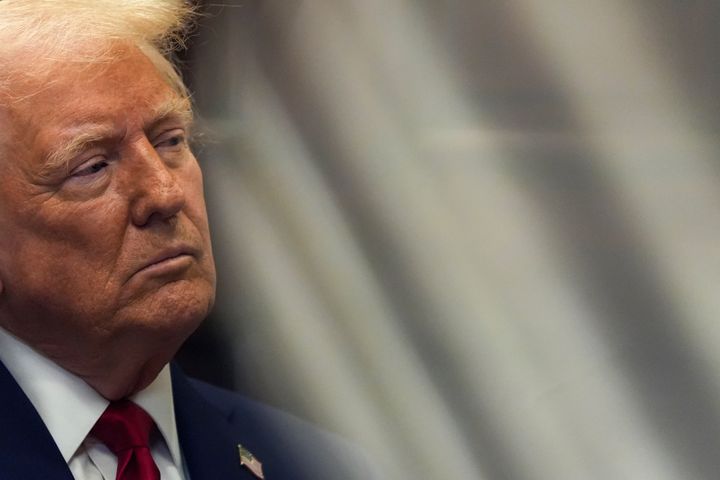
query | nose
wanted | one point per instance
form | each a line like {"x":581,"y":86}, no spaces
{"x":157,"y":194}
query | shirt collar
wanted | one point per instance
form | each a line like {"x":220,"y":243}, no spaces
{"x":69,"y":407}
{"x":157,"y":401}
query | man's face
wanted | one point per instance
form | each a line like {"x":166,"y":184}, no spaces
{"x":104,"y":240}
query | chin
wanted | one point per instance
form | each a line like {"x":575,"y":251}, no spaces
{"x":183,"y":303}
{"x":172,"y":312}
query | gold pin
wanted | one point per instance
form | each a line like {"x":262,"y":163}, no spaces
{"x":250,"y":462}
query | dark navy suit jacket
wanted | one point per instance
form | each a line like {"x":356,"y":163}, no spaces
{"x":211,"y":423}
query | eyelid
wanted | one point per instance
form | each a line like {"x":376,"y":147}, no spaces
{"x":87,"y":164}
{"x":169,"y":135}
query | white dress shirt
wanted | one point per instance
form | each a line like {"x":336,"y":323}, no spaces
{"x":69,"y":407}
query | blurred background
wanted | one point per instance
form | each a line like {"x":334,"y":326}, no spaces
{"x":480,"y":238}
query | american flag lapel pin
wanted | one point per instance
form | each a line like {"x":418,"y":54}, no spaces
{"x":250,"y":462}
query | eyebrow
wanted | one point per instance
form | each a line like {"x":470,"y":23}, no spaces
{"x":61,"y":156}
{"x":178,"y":108}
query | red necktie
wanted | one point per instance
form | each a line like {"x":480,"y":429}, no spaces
{"x":125,"y":429}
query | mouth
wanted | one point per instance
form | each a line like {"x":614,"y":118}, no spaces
{"x":168,"y":261}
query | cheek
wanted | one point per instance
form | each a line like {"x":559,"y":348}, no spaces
{"x":197,"y":213}
{"x":79,"y":255}
{"x":69,"y":246}
{"x":84,"y":226}
{"x":53,"y":280}
{"x":195,"y":206}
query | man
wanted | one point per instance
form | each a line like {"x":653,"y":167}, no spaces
{"x":106,"y":264}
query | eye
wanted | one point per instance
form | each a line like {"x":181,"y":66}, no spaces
{"x":172,"y":140}
{"x":91,"y":167}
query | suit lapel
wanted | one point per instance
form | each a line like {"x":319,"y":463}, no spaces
{"x":27,"y":450}
{"x":207,"y":441}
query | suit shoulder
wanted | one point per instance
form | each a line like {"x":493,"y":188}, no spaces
{"x":286,"y":439}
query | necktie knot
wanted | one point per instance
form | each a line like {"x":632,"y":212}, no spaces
{"x":123,"y":425}
{"x":125,"y":429}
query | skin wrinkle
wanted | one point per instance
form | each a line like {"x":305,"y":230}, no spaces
{"x":60,"y":157}
{"x":87,"y":56}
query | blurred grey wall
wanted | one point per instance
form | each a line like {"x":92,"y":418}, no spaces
{"x":478,"y":237}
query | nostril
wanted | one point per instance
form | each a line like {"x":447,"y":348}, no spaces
{"x":161,"y":202}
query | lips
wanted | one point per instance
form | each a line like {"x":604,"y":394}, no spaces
{"x":166,"y":257}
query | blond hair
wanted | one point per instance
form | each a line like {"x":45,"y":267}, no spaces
{"x":37,"y":33}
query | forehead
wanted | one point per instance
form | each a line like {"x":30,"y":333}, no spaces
{"x":122,"y":92}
